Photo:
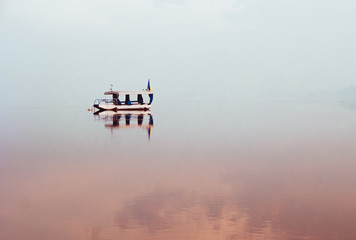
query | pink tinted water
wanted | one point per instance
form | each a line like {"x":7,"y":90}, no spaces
{"x":276,"y":170}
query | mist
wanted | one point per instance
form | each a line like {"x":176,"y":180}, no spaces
{"x":232,"y":48}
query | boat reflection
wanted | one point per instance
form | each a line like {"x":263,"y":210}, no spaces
{"x":126,"y":119}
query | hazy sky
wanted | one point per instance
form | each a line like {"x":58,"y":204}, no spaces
{"x":248,"y":48}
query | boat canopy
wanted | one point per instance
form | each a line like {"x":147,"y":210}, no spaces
{"x":128,"y":92}
{"x":116,"y":94}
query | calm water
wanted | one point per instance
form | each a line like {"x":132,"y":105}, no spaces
{"x":195,"y":170}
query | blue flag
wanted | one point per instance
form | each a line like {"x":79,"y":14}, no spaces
{"x":148,"y":85}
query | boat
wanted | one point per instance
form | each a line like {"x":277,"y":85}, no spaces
{"x":115,"y":104}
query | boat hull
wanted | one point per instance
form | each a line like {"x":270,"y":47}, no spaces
{"x":111,"y":107}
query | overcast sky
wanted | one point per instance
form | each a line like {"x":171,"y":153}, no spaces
{"x":250,"y":48}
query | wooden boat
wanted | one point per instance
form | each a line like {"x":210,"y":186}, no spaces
{"x":115,"y":104}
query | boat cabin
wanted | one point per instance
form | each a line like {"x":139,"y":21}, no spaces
{"x":129,"y":96}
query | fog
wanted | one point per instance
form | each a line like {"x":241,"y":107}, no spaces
{"x":233,"y":48}
{"x":251,"y":134}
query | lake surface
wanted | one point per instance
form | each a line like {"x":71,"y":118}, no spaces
{"x":195,"y":170}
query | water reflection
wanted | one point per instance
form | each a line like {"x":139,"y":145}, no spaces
{"x":126,"y":120}
{"x":244,"y":179}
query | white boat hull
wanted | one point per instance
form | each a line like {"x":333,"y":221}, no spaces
{"x":112,"y":107}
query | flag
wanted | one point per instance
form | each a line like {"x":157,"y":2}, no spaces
{"x":149,"y":85}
